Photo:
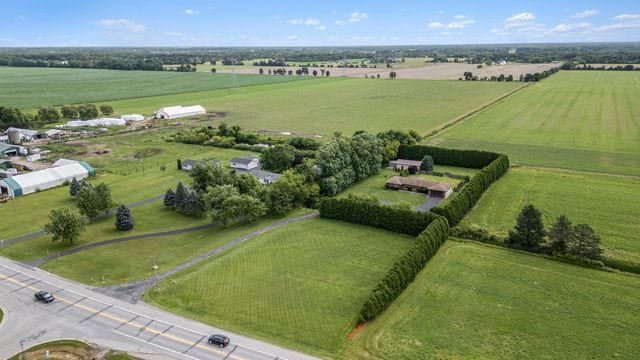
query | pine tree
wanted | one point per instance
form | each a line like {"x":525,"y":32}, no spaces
{"x":529,"y":230}
{"x":585,"y":242}
{"x":199,"y":205}
{"x":181,"y":197}
{"x":427,"y":163}
{"x":124,"y":219}
{"x":561,"y":235}
{"x":74,"y":187}
{"x":170,"y":198}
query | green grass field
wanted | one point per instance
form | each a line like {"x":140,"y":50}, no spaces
{"x":479,"y":302}
{"x":375,"y":185}
{"x":29,"y":88}
{"x":583,"y":120}
{"x":322,"y":106}
{"x":300,"y":286}
{"x":608,"y":203}
{"x":128,"y":261}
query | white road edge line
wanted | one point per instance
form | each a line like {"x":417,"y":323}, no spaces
{"x":156,"y":345}
{"x":148,"y":317}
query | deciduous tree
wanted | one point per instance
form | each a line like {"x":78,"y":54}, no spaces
{"x":64,"y":225}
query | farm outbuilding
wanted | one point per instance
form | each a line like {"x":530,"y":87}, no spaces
{"x":44,"y":179}
{"x":7,"y":150}
{"x":174,"y":112}
{"x":416,"y":184}
{"x":402,"y":164}
{"x":132,"y":117}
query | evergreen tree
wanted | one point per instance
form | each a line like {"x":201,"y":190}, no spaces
{"x":170,"y":198}
{"x":181,"y":197}
{"x":199,"y":204}
{"x":561,"y":235}
{"x":427,"y":163}
{"x":74,"y":187}
{"x":585,"y":242}
{"x":124,"y":219}
{"x":529,"y":230}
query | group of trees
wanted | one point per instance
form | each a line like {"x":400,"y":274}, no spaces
{"x":227,"y":196}
{"x":13,"y":117}
{"x":299,"y":72}
{"x":468,"y":76}
{"x":574,"y":66}
{"x":345,"y":161}
{"x":562,"y":239}
{"x":91,"y":201}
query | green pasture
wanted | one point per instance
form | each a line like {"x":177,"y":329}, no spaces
{"x":129,"y":261}
{"x":28,"y":88}
{"x":300,"y":285}
{"x":474,"y":301}
{"x":323,"y":106}
{"x":610,"y":204}
{"x":583,"y":120}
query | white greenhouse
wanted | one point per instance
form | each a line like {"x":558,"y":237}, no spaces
{"x":44,"y":179}
{"x":132,"y":117}
{"x":174,"y":112}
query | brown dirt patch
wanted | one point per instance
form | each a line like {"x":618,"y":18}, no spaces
{"x":63,"y":353}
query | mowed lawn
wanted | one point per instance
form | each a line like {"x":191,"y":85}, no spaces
{"x":583,"y":120}
{"x":610,"y":204}
{"x":474,"y":301}
{"x":323,"y":106}
{"x":375,"y":185}
{"x":132,"y":260}
{"x":28,"y":88}
{"x":300,"y":286}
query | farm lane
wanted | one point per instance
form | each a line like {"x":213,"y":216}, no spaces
{"x":79,"y":312}
{"x":21,"y":238}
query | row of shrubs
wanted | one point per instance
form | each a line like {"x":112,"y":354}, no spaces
{"x":405,"y":270}
{"x":474,"y":159}
{"x":467,"y":197}
{"x":368,"y":211}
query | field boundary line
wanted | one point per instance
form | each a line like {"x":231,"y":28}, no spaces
{"x":469,"y":114}
{"x":516,"y":165}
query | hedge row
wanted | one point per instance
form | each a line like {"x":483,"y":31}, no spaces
{"x":474,"y":159}
{"x":405,"y":270}
{"x":457,"y":208}
{"x":368,"y":211}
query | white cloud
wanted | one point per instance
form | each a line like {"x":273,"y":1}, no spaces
{"x":321,"y":28}
{"x":355,"y":17}
{"x":308,"y":21}
{"x":189,"y":12}
{"x":460,"y":23}
{"x":620,"y":26}
{"x":625,"y":17}
{"x":292,"y":37}
{"x":585,"y":14}
{"x":169,"y":33}
{"x":123,"y":25}
{"x":569,"y":27}
{"x":521,"y":19}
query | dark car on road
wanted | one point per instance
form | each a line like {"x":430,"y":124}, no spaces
{"x":44,"y":296}
{"x":219,"y":340}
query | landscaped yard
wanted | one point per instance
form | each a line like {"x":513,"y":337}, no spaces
{"x":475,"y":301}
{"x":300,"y":286}
{"x":128,"y":261}
{"x":375,"y":185}
{"x":583,"y":120}
{"x":608,"y":203}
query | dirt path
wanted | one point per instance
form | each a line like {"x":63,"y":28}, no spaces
{"x":111,"y":212}
{"x":132,"y":291}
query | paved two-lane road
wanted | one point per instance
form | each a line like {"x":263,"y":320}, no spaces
{"x":80,"y":313}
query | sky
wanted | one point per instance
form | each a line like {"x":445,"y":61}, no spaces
{"x":188,"y":23}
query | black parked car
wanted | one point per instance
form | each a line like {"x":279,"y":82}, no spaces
{"x":219,"y":340}
{"x":44,"y":296}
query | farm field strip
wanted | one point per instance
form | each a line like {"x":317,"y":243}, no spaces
{"x":585,"y":119}
{"x":478,"y":301}
{"x":28,"y":88}
{"x":608,"y":203}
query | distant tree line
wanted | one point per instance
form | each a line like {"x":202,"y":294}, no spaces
{"x":574,"y":66}
{"x":468,"y":76}
{"x":13,"y":117}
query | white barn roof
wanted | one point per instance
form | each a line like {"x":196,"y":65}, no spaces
{"x":45,"y":179}
{"x":173,"y":112}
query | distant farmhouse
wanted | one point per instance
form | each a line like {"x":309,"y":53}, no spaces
{"x":417,"y":184}
{"x":174,"y":112}
{"x":188,"y":165}
{"x":265,"y":177}
{"x":402,"y":164}
{"x":249,"y":162}
{"x":44,"y":179}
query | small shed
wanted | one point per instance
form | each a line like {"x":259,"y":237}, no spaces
{"x":175,"y":112}
{"x":248,"y":162}
{"x":188,"y":165}
{"x":402,"y":164}
{"x":265,"y":177}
